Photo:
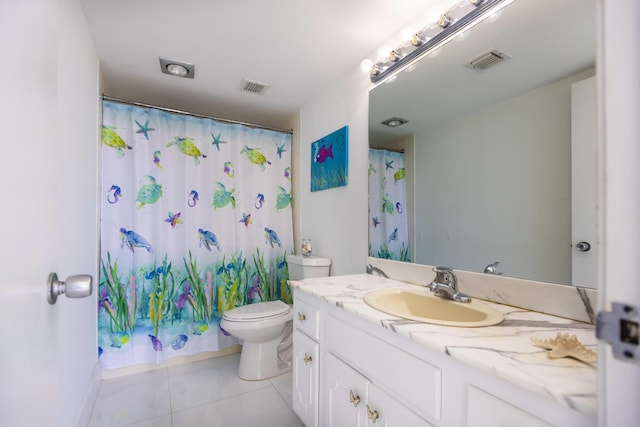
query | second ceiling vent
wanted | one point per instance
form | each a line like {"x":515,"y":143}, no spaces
{"x":254,"y":86}
{"x":487,"y":59}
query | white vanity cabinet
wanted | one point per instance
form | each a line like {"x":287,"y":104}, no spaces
{"x":353,"y":372}
{"x":306,"y":362}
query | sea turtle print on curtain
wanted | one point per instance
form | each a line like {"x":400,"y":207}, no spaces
{"x":195,"y":220}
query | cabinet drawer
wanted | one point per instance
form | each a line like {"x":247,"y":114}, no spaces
{"x":485,"y":409}
{"x":414,"y":382}
{"x":305,"y":318}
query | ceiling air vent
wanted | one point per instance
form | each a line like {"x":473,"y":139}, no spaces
{"x":487,"y":59}
{"x":254,"y":86}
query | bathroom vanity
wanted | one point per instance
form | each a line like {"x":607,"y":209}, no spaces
{"x":357,"y":366}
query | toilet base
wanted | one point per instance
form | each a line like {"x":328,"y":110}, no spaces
{"x":259,"y":361}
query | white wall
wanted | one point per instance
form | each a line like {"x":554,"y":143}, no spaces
{"x":495,"y":185}
{"x":48,"y":220}
{"x":336,"y":219}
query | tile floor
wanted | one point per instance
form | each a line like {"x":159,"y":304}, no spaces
{"x":204,"y":393}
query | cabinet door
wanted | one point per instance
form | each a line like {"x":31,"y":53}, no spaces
{"x":305,"y":378}
{"x":385,"y":411}
{"x":345,"y":396}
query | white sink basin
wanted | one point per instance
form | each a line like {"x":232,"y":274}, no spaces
{"x":421,"y":305}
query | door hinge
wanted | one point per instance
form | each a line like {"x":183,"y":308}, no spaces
{"x":620,"y":327}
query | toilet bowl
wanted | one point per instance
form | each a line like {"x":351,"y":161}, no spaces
{"x":265,"y":329}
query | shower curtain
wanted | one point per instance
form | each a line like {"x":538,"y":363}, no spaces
{"x":195,"y":220}
{"x":388,"y":227}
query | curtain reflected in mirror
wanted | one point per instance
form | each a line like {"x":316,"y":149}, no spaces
{"x":388,"y":225}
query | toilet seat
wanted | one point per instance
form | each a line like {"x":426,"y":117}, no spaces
{"x":258,"y":311}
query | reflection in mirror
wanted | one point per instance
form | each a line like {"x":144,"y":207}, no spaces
{"x":488,"y":150}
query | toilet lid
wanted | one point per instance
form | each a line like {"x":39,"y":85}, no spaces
{"x":258,"y":310}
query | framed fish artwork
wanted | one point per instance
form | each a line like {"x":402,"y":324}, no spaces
{"x":329,"y":160}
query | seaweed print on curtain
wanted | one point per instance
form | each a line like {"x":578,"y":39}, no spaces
{"x":195,"y":220}
{"x":388,"y":230}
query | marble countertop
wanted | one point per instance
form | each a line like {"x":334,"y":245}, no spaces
{"x":504,"y":350}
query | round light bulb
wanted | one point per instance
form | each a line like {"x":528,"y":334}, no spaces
{"x":365,"y":66}
{"x":407,"y":34}
{"x":177,"y":69}
{"x":383,"y":53}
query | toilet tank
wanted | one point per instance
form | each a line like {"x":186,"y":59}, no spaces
{"x":306,"y":267}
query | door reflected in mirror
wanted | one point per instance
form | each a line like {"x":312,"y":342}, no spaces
{"x":488,"y":153}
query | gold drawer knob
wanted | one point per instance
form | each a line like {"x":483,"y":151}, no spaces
{"x":354,"y":399}
{"x":372,"y":415}
{"x":301,"y":317}
{"x":307,"y":359}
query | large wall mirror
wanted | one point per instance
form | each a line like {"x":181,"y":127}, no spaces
{"x":494,"y":158}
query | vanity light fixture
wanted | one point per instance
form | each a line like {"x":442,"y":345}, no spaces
{"x":457,"y":19}
{"x":177,"y":68}
{"x":395,"y":122}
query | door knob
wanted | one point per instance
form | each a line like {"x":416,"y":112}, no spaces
{"x":583,"y":246}
{"x":77,"y":286}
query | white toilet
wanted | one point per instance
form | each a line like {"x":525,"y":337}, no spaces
{"x":266,"y":327}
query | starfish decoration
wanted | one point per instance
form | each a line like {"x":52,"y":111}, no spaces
{"x":280,"y":150}
{"x":216,"y":141}
{"x":144,"y":129}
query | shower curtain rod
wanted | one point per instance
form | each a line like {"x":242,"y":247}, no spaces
{"x":394,"y":150}
{"x":201,"y":116}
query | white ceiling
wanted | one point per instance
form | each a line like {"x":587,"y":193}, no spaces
{"x":298,"y":47}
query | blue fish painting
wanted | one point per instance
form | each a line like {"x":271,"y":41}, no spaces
{"x":375,"y":221}
{"x":114,"y":194}
{"x":271,"y":237}
{"x":399,"y":207}
{"x":157,"y":345}
{"x":287,"y":173}
{"x":193,"y":198}
{"x":179,"y":342}
{"x":259,"y":201}
{"x":388,"y":165}
{"x":324,"y":153}
{"x":208,"y":239}
{"x":133,"y":240}
{"x":329,"y":160}
{"x":144,"y":129}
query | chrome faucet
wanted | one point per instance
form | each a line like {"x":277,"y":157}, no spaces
{"x":445,"y":285}
{"x":492,"y":268}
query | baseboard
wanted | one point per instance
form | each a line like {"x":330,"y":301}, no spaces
{"x":137,"y":369}
{"x":90,"y":396}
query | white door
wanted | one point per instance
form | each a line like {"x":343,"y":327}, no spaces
{"x":619,"y":85}
{"x":583,"y":183}
{"x":48,"y":215}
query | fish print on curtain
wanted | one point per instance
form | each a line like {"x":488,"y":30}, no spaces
{"x":388,"y":227}
{"x":195,"y":220}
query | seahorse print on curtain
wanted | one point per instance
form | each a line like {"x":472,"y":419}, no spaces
{"x":195,"y":220}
